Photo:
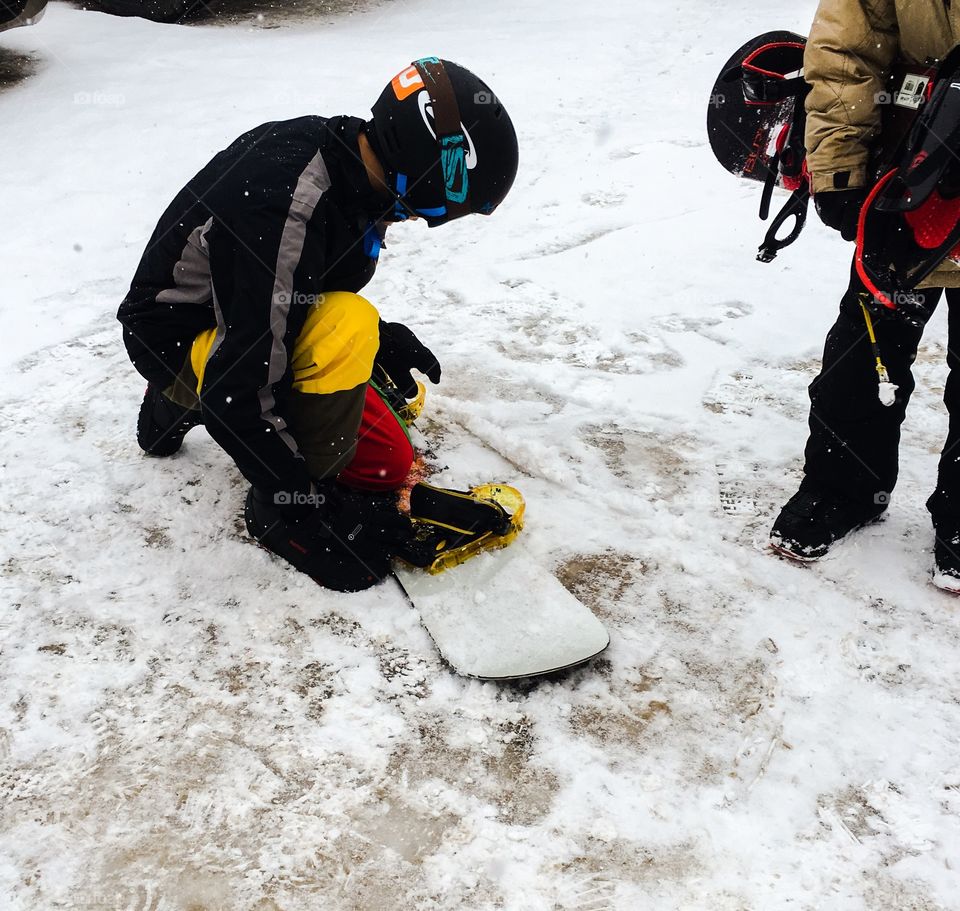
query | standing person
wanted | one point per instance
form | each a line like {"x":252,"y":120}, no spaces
{"x":243,"y":314}
{"x":851,"y":455}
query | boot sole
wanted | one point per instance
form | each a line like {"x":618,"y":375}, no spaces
{"x":946,"y":583}
{"x":794,"y":557}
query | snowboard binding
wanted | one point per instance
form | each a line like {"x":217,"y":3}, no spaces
{"x":407,"y":410}
{"x":413,"y":408}
{"x":451,"y":526}
{"x":910,"y":223}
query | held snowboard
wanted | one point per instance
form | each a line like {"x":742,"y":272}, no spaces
{"x":496,"y":614}
{"x":755,"y":123}
{"x":754,"y":97}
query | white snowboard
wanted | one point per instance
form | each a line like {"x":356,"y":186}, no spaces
{"x":501,"y":616}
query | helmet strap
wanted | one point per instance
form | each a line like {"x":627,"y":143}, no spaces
{"x":394,"y":179}
{"x":400,"y":212}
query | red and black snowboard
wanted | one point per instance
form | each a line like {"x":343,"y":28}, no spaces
{"x":753,"y":100}
{"x":755,"y":123}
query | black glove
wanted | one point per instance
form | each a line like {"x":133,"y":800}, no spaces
{"x":840,"y":210}
{"x":400,"y":350}
{"x":344,"y":539}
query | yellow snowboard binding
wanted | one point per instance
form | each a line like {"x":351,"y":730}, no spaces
{"x":454,"y":525}
{"x":412,"y":409}
{"x":406,"y":410}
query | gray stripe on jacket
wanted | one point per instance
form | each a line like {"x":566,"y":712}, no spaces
{"x":313,"y":183}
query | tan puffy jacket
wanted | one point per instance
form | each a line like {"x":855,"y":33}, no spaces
{"x":852,"y":47}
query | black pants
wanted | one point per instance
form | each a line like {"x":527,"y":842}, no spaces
{"x":854,"y":438}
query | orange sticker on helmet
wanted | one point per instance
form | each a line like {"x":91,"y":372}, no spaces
{"x":406,"y":83}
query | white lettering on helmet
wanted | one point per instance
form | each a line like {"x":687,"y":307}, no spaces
{"x":409,"y":78}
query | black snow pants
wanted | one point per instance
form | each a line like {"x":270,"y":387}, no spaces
{"x":854,"y":438}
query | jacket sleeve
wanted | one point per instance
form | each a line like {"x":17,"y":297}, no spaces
{"x":851,"y":48}
{"x":252,"y":264}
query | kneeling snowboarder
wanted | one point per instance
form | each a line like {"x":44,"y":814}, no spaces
{"x":244,"y":315}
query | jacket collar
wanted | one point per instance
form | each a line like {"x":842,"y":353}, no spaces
{"x":341,"y":150}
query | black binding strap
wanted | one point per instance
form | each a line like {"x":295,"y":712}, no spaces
{"x":796,"y":207}
{"x":763,"y":89}
{"x":789,"y":163}
{"x":457,"y":511}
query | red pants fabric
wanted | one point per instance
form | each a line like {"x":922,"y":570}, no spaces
{"x":384,"y":454}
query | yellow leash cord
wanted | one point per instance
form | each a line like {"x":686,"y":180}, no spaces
{"x":887,"y":391}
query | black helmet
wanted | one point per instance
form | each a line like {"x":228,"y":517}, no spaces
{"x":447,"y":144}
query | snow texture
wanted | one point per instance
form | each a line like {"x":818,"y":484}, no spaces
{"x":187,"y":724}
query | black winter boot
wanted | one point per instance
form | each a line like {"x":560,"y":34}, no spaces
{"x":342,"y":538}
{"x":163,"y":424}
{"x":814,"y":519}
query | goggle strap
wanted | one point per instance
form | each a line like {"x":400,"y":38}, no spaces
{"x":446,"y":114}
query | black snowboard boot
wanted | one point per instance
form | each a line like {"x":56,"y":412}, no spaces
{"x":814,"y":519}
{"x":342,"y":538}
{"x":163,"y":424}
{"x":946,"y":555}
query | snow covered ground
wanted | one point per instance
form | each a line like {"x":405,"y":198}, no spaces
{"x":187,"y":725}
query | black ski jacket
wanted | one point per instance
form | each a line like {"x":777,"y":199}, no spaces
{"x":282,"y":215}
